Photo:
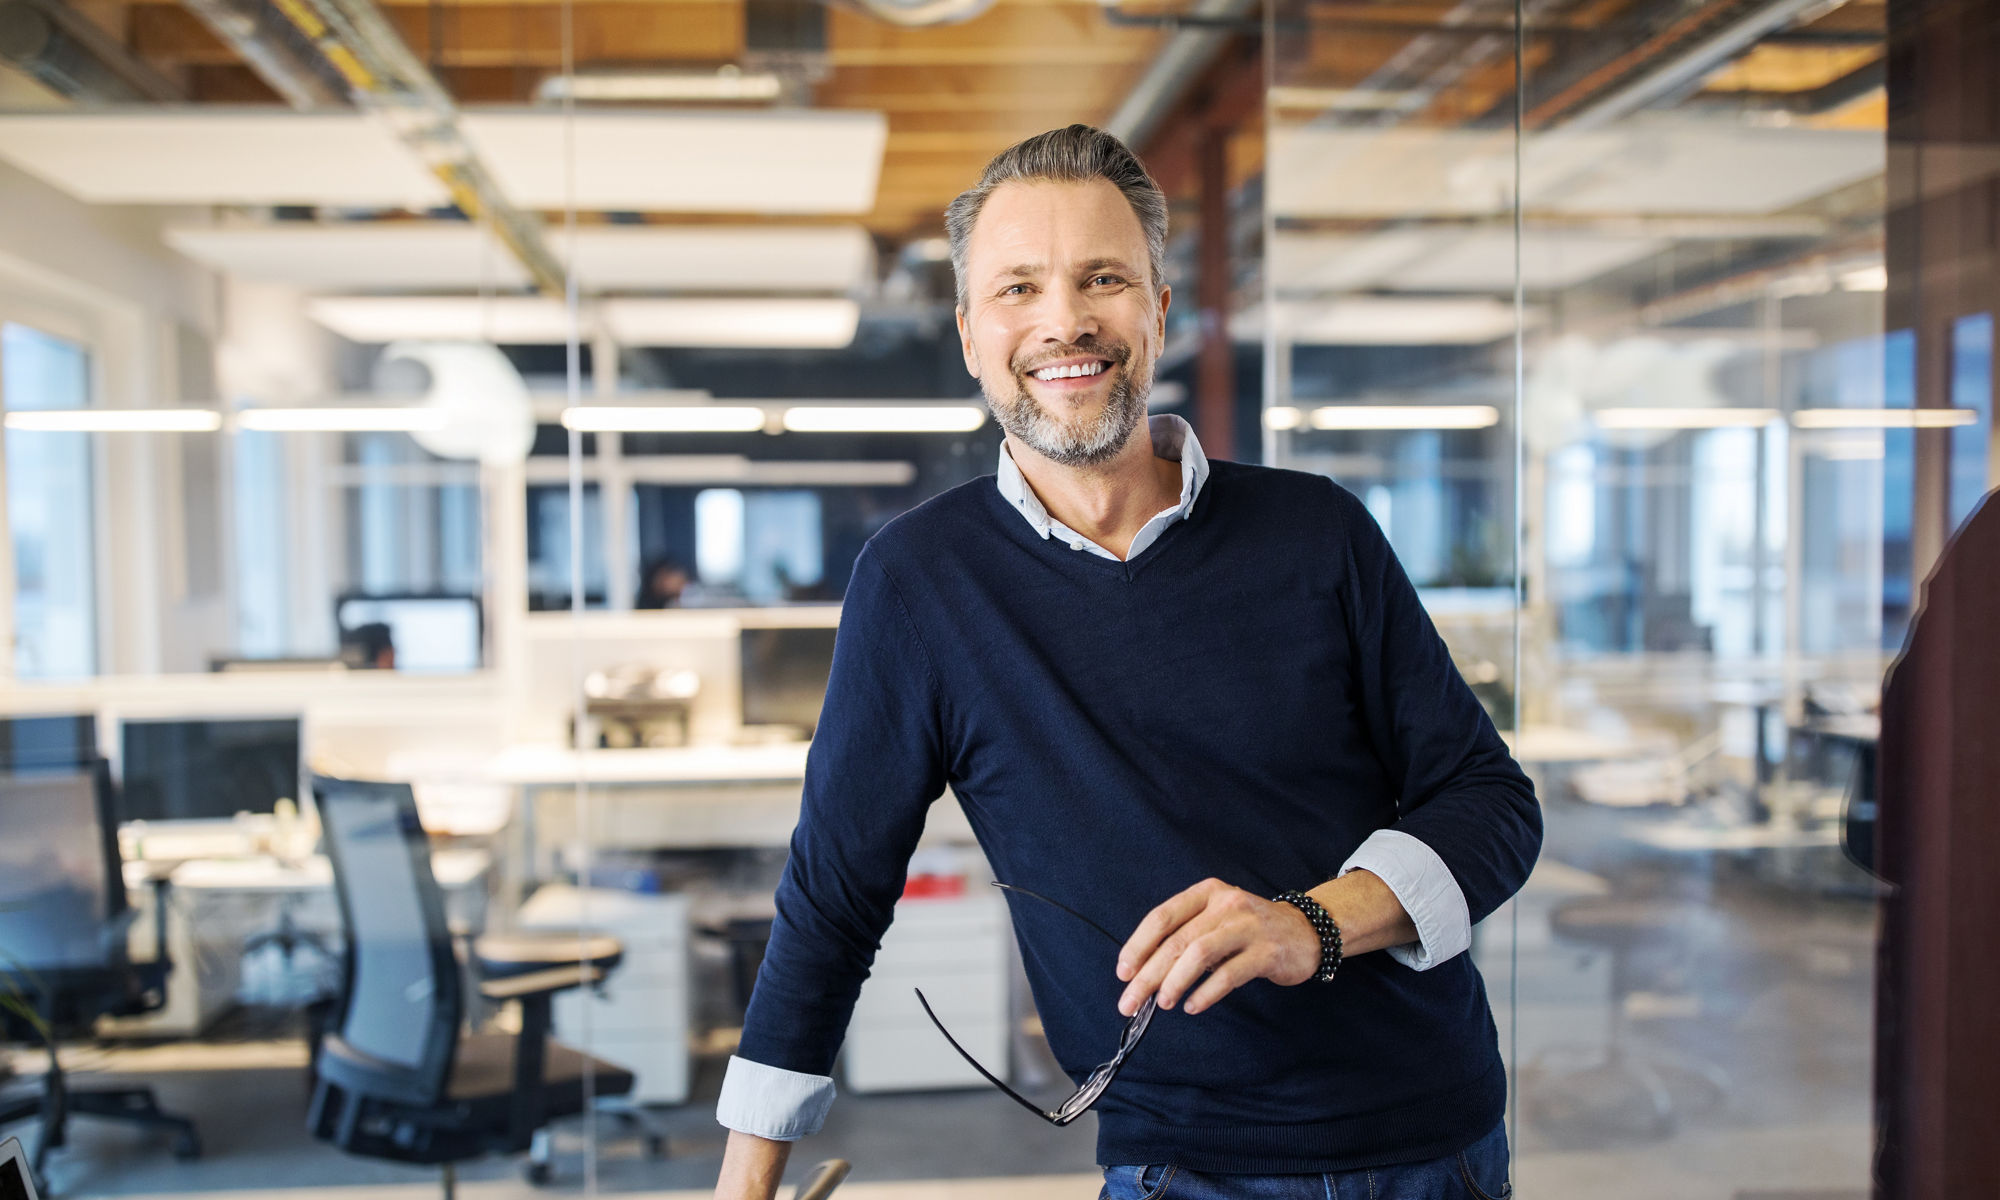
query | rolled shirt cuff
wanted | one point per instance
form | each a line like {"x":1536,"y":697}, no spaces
{"x":772,"y":1102}
{"x":1427,"y":891}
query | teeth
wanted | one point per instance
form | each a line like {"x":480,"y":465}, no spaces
{"x":1071,"y":372}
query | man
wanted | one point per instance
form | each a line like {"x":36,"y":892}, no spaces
{"x":1163,"y":690}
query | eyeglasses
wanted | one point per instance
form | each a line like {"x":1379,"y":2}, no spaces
{"x":1099,"y":1079}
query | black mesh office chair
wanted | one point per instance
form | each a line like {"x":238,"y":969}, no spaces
{"x":399,"y":1076}
{"x":64,"y":931}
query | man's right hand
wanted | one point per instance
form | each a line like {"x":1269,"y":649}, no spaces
{"x":751,"y":1167}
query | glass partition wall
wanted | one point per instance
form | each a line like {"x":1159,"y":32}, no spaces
{"x":1585,"y":303}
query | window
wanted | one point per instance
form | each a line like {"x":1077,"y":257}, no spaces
{"x":49,"y":509}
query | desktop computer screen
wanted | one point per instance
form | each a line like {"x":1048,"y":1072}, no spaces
{"x":64,"y":742}
{"x":191,"y":770}
{"x":424,"y":634}
{"x":784,"y":676}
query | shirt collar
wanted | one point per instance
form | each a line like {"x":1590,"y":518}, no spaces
{"x":1173,"y":439}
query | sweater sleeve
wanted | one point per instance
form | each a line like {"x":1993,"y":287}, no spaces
{"x":1459,"y":789}
{"x":875,"y":765}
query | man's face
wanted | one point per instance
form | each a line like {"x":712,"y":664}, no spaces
{"x":1061,"y":325}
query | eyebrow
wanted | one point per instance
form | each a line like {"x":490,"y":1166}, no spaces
{"x":1035,"y":270}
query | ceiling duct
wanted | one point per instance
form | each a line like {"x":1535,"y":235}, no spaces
{"x":60,"y":49}
{"x":274,"y":48}
{"x":912,"y":14}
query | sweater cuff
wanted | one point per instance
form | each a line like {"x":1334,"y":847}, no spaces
{"x":772,"y":1102}
{"x":1425,"y":888}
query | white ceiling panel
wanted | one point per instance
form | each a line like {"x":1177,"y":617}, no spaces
{"x":776,"y":322}
{"x":652,"y":161}
{"x":219,"y":157}
{"x":720,"y":258}
{"x":383,"y":255}
{"x":1450,"y":260}
{"x":1642,"y":167}
{"x":457,"y":256}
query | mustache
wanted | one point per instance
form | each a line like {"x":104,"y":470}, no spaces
{"x":1117,"y":353}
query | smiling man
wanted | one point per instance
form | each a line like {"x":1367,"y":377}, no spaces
{"x":1197,"y":701}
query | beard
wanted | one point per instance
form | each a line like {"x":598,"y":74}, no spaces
{"x":1089,"y":440}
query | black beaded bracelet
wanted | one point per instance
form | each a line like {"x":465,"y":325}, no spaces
{"x":1324,"y":925}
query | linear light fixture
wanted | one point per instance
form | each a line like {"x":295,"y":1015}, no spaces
{"x":1685,"y":418}
{"x":357,"y":419}
{"x":1405,"y":416}
{"x":885,"y":418}
{"x":729,"y":83}
{"x":1283,"y":416}
{"x":665,"y":418}
{"x":116,"y":420}
{"x":1883,"y":418}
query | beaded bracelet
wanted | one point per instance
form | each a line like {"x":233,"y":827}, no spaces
{"x":1324,"y":925}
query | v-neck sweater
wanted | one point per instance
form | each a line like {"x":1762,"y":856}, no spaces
{"x":1248,"y":699}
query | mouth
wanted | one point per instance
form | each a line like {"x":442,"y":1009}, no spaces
{"x":1072,"y":372}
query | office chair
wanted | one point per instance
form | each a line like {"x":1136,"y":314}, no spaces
{"x":399,"y":1076}
{"x":64,"y":959}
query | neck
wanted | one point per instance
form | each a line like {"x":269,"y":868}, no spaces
{"x":1107,"y":502}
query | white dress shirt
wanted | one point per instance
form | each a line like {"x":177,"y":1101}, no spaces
{"x":787,"y":1105}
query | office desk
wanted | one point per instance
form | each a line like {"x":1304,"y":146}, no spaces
{"x":215,"y":905}
{"x":695,"y":797}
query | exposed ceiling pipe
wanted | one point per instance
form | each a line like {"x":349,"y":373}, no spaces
{"x":1688,"y":67}
{"x":273,"y":47}
{"x":389,"y":80}
{"x":1180,"y":62}
{"x":60,"y":48}
{"x":913,"y":14}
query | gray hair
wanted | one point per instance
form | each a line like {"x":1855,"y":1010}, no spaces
{"x":1074,"y":154}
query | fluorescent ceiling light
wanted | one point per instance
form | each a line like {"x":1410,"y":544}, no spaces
{"x":665,"y":418}
{"x":782,"y":322}
{"x":1282,"y":416}
{"x":116,"y":420}
{"x":1391,"y":321}
{"x":1405,"y":416}
{"x":885,"y":418}
{"x":1684,"y":418}
{"x":357,"y":419}
{"x":729,"y":83}
{"x":1883,"y":418}
{"x":1865,"y":279}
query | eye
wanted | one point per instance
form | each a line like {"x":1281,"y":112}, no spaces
{"x":1106,"y":281}
{"x":1015,"y":289}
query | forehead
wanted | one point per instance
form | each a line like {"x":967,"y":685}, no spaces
{"x":1040,"y":222}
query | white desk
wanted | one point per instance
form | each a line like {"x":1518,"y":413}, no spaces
{"x":215,"y":904}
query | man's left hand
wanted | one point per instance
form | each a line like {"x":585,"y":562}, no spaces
{"x":1233,"y":936}
{"x":1219,"y":931}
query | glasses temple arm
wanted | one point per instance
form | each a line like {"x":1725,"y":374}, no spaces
{"x":1018,"y":1098}
{"x":1108,"y":935}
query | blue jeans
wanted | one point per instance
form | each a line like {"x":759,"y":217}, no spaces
{"x":1478,"y":1172}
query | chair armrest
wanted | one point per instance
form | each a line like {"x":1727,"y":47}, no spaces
{"x":501,"y":955}
{"x":540,"y":983}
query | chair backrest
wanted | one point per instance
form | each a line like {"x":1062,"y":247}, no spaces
{"x":403,"y":999}
{"x":61,"y":884}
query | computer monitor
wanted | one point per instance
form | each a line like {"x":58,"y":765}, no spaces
{"x":183,"y":770}
{"x":436,"y":634}
{"x":57,"y":742}
{"x":17,"y":1182}
{"x":784,"y":676}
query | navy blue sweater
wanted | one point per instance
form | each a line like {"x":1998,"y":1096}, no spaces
{"x":1248,"y":699}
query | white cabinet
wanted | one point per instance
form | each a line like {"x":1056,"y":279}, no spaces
{"x":956,"y":950}
{"x":640,"y":1021}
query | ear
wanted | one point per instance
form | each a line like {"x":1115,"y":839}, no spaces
{"x":965,"y":345}
{"x":1160,"y":326}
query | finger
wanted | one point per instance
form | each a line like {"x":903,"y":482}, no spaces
{"x":1168,"y":916}
{"x":1224,"y":979}
{"x":1201,"y":956}
{"x":1154,"y":971}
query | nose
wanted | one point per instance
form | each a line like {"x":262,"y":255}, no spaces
{"x":1068,"y":316}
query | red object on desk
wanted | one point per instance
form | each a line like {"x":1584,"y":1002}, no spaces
{"x":927,"y":886}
